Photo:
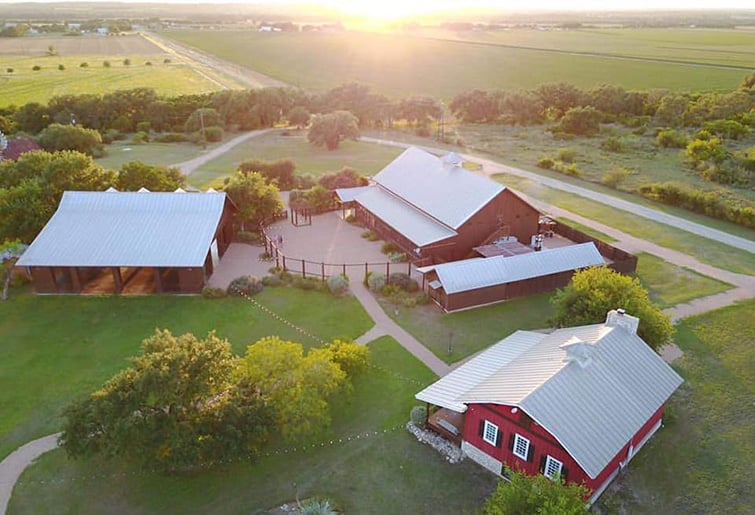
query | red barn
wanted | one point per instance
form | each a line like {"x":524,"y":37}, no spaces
{"x":577,"y":403}
{"x":435,"y":210}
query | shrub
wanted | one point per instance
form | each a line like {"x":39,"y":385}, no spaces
{"x":670,"y":138}
{"x":140,"y":137}
{"x":338,"y":284}
{"x":397,"y":257}
{"x":61,"y":67}
{"x":417,"y":416}
{"x":307,"y":283}
{"x":304,"y":181}
{"x":393,"y":291}
{"x":726,"y":129}
{"x":213,"y":133}
{"x":376,"y":282}
{"x":246,"y":285}
{"x":317,"y":507}
{"x":9,"y":70}
{"x":281,"y":172}
{"x":69,"y":137}
{"x":614,"y":177}
{"x":346,"y":178}
{"x":213,"y":293}
{"x":84,"y":65}
{"x":148,"y":63}
{"x":613,"y":144}
{"x":566,"y":155}
{"x":272,"y":280}
{"x":170,"y":137}
{"x":582,"y":121}
{"x":403,"y":281}
{"x":389,"y":247}
{"x":166,"y":61}
{"x":36,"y":68}
{"x":546,"y":163}
{"x":571,"y":170}
{"x":127,"y":62}
{"x":351,"y":218}
{"x":106,"y":64}
{"x":143,"y":126}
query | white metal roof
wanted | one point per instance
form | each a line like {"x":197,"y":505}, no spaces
{"x":470,"y":274}
{"x":416,"y":226}
{"x":443,"y":190}
{"x":592,"y":410}
{"x":128,"y":229}
{"x":349,"y":194}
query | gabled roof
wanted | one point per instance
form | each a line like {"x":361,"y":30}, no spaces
{"x":412,"y":223}
{"x":470,"y":274}
{"x":350,"y":194}
{"x":593,"y":407}
{"x":131,"y":229}
{"x":441,"y":188}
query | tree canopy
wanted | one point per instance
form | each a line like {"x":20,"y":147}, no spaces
{"x":255,"y":198}
{"x":135,"y":175}
{"x":595,"y":291}
{"x":535,"y":495}
{"x":69,"y":137}
{"x":330,"y":129}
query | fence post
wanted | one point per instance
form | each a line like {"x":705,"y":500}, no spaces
{"x":303,"y":269}
{"x":284,"y":262}
{"x":322,"y":269}
{"x":366,"y":273}
{"x":387,"y":272}
{"x":275,"y":251}
{"x":409,"y":269}
{"x":344,"y":269}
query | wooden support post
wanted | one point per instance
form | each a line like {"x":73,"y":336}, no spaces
{"x":344,"y":269}
{"x":409,"y":269}
{"x":322,"y":270}
{"x":284,"y":263}
{"x":158,"y":279}
{"x":117,"y":279}
{"x":277,"y":262}
{"x":303,"y":269}
{"x":387,"y":272}
{"x":366,"y":272}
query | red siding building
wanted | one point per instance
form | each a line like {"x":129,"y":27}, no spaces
{"x":436,"y":211}
{"x":577,"y":403}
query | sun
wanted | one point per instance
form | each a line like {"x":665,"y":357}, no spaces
{"x":385,"y":10}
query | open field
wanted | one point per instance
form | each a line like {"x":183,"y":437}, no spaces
{"x":59,"y":347}
{"x":400,"y":65}
{"x":701,"y":461}
{"x":163,"y":154}
{"x":386,"y":473}
{"x":366,"y":158}
{"x":70,"y":46}
{"x":670,"y":284}
{"x":473,"y":330}
{"x":703,"y":249}
{"x":523,"y":146}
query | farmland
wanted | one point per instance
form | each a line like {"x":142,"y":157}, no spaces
{"x":399,"y":65}
{"x":23,"y":84}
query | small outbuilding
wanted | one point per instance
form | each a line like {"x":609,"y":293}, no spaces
{"x":576,"y":404}
{"x":130,"y":242}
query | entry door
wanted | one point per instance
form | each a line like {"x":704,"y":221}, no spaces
{"x":214,"y":254}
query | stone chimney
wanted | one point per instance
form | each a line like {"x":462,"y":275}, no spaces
{"x":619,"y":318}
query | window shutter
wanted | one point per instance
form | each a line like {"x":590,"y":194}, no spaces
{"x":542,"y":463}
{"x":564,"y":473}
{"x":511,"y":442}
{"x":481,"y":429}
{"x":499,"y":438}
{"x":530,"y":452}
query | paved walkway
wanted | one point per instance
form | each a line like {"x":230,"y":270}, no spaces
{"x":12,"y":466}
{"x":187,"y":167}
{"x":491,"y":168}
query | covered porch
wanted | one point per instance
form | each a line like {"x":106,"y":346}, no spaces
{"x":447,"y":423}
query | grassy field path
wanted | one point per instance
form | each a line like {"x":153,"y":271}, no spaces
{"x":187,"y":167}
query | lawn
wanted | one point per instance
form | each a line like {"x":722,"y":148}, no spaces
{"x":587,"y":230}
{"x":385,"y":473}
{"x":400,"y":64}
{"x":670,"y":285}
{"x":472,"y":330}
{"x":163,"y":154}
{"x":702,"y":460}
{"x":707,"y":251}
{"x":56,"y":348}
{"x":367,"y":158}
{"x":25,"y":85}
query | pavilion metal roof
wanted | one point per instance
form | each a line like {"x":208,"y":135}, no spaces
{"x":101,"y":229}
{"x":470,"y":274}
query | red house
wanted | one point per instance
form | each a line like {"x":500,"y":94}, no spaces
{"x":577,"y":403}
{"x":435,"y":210}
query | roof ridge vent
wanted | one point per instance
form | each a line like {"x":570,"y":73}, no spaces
{"x":452,"y":159}
{"x":143,"y":190}
{"x":578,"y":351}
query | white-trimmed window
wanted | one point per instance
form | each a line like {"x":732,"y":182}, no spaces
{"x":552,"y":468}
{"x":521,"y":447}
{"x":490,"y":433}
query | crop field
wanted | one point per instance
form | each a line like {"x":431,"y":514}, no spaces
{"x":20,"y":83}
{"x":401,"y":65}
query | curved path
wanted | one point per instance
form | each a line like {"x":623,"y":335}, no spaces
{"x":12,"y":466}
{"x":491,"y":168}
{"x":187,"y":167}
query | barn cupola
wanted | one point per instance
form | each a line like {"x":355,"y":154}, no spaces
{"x":452,"y":160}
{"x":619,"y":318}
{"x":578,"y":351}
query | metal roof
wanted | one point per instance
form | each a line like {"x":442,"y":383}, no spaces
{"x":443,"y":190}
{"x":416,"y":226}
{"x":470,"y":274}
{"x":350,"y":194}
{"x":592,"y":408}
{"x":128,"y":229}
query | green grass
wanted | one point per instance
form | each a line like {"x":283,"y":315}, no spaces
{"x":386,"y":473}
{"x":367,"y":158}
{"x":472,"y":330}
{"x":25,"y":85}
{"x":670,"y":285}
{"x":587,"y":230}
{"x":702,"y":460}
{"x":400,"y":65}
{"x":707,"y":251}
{"x":59,"y":347}
{"x":163,"y":154}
